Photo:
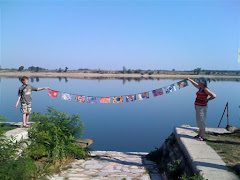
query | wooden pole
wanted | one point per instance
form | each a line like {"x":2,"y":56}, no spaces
{"x":227,"y":115}
{"x":226,"y":107}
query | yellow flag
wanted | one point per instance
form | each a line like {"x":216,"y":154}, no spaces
{"x":238,"y":55}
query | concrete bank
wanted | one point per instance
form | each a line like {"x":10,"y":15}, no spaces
{"x":201,"y":157}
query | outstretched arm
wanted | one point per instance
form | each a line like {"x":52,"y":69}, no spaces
{"x":44,"y":88}
{"x":18,"y":100}
{"x":194,"y":83}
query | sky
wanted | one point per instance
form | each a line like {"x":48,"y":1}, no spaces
{"x":181,"y":35}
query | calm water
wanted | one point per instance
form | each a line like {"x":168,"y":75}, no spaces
{"x":136,"y":126}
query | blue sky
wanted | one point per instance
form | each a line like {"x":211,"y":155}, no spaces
{"x":112,"y":34}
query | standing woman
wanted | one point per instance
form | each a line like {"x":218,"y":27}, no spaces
{"x":201,"y":104}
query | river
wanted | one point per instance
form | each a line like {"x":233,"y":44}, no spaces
{"x":134,"y":126}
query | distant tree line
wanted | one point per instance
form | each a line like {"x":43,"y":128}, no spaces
{"x":36,"y":69}
{"x":196,"y":71}
{"x":61,"y":70}
{"x":31,"y":68}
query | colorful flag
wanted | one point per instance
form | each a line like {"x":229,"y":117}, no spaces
{"x":182,"y":84}
{"x":131,"y":98}
{"x":66,"y":96}
{"x":118,"y":99}
{"x":80,"y":99}
{"x":157,"y":92}
{"x":142,"y":96}
{"x":52,"y":93}
{"x":105,"y":99}
{"x":92,"y":100}
{"x":170,"y":88}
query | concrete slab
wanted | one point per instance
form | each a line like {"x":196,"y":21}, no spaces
{"x":202,"y":157}
{"x":19,"y":124}
{"x":210,"y":129}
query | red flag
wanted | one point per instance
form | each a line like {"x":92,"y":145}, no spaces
{"x":52,"y":93}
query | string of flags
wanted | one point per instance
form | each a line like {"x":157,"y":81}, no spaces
{"x":118,"y":99}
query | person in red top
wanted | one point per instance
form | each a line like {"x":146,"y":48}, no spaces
{"x":201,"y":104}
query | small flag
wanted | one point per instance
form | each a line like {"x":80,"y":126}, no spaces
{"x":92,"y":100}
{"x":182,"y":84}
{"x":131,"y":98}
{"x":52,"y":93}
{"x":142,"y":96}
{"x":118,"y":99}
{"x":169,"y":89}
{"x":105,"y":99}
{"x":66,"y":97}
{"x":80,"y":99}
{"x":157,"y":92}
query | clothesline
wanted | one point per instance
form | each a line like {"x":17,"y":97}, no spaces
{"x":119,"y":98}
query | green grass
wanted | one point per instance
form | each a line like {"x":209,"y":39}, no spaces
{"x":227,"y":146}
{"x":5,"y":127}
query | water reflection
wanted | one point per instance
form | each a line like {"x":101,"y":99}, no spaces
{"x":129,"y":79}
{"x":125,"y":123}
{"x":66,"y":80}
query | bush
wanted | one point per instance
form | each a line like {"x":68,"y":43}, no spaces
{"x":175,"y":170}
{"x":155,"y":155}
{"x":171,"y":139}
{"x":15,"y":164}
{"x":54,"y":136}
{"x":194,"y":177}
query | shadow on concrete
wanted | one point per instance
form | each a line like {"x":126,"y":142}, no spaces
{"x":187,"y":128}
{"x":134,"y":154}
{"x":210,"y":165}
{"x":186,"y":136}
{"x":223,"y":142}
{"x":115,"y":160}
{"x":150,"y":168}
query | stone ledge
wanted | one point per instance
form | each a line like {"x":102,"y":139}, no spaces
{"x":18,"y":133}
{"x":202,"y":158}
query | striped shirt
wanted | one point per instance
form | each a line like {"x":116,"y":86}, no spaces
{"x":201,"y":98}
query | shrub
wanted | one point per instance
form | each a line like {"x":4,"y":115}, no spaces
{"x":194,"y":177}
{"x":15,"y":164}
{"x":155,"y":155}
{"x":171,"y":139}
{"x":54,"y":136}
{"x":175,"y":170}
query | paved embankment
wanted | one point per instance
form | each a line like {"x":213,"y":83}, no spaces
{"x":202,"y":158}
{"x":111,"y":165}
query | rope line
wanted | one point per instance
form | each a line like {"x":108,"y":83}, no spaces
{"x":185,"y":81}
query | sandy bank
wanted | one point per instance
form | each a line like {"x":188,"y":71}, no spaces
{"x":81,"y":75}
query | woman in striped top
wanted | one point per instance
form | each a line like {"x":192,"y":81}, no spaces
{"x":201,"y":104}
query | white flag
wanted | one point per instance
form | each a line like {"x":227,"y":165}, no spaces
{"x":170,"y":88}
{"x":66,"y":97}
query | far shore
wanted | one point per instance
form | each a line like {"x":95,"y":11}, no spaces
{"x":81,"y":75}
